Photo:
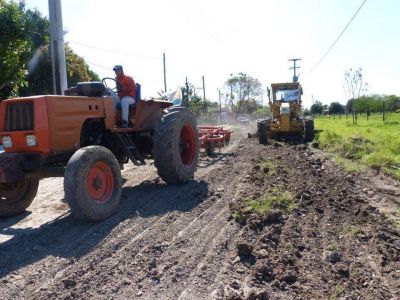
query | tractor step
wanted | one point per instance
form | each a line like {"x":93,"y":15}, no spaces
{"x":130,"y":149}
{"x":122,"y":130}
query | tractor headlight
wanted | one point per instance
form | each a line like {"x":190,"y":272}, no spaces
{"x":6,"y":142}
{"x":31,"y":140}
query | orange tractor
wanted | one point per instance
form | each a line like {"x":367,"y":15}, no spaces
{"x":76,"y":137}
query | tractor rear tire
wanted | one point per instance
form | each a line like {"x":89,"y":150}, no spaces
{"x":15,"y":198}
{"x":176,"y":145}
{"x":308,"y":130}
{"x":92,"y":183}
{"x":262,"y":132}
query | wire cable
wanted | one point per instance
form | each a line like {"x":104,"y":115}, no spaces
{"x":337,"y":39}
{"x":99,"y":66}
{"x":112,"y":51}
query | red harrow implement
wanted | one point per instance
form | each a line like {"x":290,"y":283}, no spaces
{"x":212,"y":137}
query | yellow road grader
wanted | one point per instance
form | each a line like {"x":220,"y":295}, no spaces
{"x":286,"y":117}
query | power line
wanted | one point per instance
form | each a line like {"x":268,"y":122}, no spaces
{"x":340,"y":35}
{"x":110,"y":68}
{"x":97,"y":65}
{"x":112,"y":51}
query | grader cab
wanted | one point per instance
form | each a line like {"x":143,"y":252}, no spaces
{"x":286,"y":117}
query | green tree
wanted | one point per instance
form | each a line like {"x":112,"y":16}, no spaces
{"x":307,"y":112}
{"x":393,"y":102}
{"x":317,"y":108}
{"x":14,"y":46}
{"x":375,"y":103}
{"x":77,"y":69}
{"x":25,"y":54}
{"x":243,"y":87}
{"x":39,"y":79}
{"x":199,"y":106}
{"x":249,"y":106}
{"x":335,"y":108}
{"x":187,"y":93}
{"x":354,"y":85}
{"x":261,"y":112}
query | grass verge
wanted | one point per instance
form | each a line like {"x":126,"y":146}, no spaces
{"x":371,"y":143}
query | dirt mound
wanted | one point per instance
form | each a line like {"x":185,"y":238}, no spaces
{"x":330,"y":244}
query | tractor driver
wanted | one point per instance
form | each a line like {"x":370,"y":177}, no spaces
{"x":126,"y":93}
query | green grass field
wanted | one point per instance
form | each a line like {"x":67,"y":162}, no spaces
{"x":371,"y":143}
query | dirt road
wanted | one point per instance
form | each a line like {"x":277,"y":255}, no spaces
{"x":181,"y":242}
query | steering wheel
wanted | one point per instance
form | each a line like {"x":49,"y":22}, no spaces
{"x":112,"y":84}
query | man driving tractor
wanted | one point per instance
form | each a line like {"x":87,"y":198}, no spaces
{"x":126,"y":93}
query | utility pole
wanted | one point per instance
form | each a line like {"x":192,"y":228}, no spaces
{"x":187,"y":90}
{"x":220,"y":107}
{"x":233,"y":117}
{"x":295,"y":60}
{"x":204,"y":89}
{"x":58,"y":63}
{"x":165,"y":74}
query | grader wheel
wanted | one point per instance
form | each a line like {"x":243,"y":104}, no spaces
{"x":308,"y":130}
{"x":262,"y":131}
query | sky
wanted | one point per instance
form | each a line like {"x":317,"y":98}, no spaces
{"x":217,"y":38}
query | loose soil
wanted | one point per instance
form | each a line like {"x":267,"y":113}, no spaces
{"x":340,"y":240}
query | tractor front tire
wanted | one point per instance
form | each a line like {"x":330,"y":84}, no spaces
{"x":308,"y":130}
{"x":92,"y":183}
{"x":262,"y":132}
{"x":16,"y":197}
{"x":176,"y":145}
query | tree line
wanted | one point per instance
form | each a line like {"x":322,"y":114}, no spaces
{"x":354,"y":86}
{"x":364,"y":104}
{"x":25,"y":62}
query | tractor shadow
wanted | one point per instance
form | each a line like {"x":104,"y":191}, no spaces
{"x":69,"y":238}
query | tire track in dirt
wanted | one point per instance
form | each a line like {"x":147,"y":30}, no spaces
{"x":207,"y":232}
{"x":120,"y":236}
{"x":212,"y":260}
{"x":189,"y":219}
{"x":183,"y":225}
{"x":117,"y":237}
